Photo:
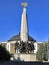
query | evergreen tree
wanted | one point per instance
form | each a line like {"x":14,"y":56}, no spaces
{"x":45,"y":53}
{"x":42,"y":53}
{"x":39,"y":54}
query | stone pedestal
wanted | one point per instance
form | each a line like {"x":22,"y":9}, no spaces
{"x":25,"y":57}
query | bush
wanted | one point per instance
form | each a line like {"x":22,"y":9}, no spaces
{"x":4,"y":54}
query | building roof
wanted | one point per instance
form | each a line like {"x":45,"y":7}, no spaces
{"x":17,"y":37}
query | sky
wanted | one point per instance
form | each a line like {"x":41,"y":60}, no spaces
{"x":38,"y":19}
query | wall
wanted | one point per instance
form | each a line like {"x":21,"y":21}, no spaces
{"x":25,"y":57}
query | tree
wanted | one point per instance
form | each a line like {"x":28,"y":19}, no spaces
{"x":4,"y":54}
{"x":39,"y":53}
{"x":45,"y":54}
{"x":42,"y":52}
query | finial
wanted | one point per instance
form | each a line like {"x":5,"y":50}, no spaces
{"x":24,"y":4}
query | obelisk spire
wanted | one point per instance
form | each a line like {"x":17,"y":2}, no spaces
{"x":24,"y":27}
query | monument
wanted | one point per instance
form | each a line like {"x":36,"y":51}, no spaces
{"x":22,"y":44}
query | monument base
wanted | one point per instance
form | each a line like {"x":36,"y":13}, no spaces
{"x":25,"y":57}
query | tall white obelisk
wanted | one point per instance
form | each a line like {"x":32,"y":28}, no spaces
{"x":24,"y":27}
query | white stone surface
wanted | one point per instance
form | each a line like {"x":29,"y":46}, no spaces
{"x":25,"y":57}
{"x":12,"y":42}
{"x":8,"y":46}
{"x":36,"y":47}
{"x":24,"y":27}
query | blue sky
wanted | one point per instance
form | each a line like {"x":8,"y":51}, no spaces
{"x":38,"y":18}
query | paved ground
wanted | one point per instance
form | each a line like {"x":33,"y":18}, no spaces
{"x":23,"y":63}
